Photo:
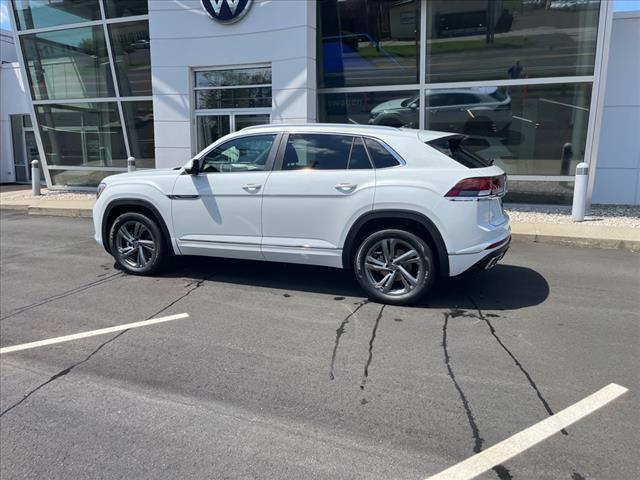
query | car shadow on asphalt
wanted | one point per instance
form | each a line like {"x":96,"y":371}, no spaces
{"x":505,"y":287}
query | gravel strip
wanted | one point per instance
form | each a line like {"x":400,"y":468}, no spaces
{"x":606,"y":215}
{"x":49,"y":195}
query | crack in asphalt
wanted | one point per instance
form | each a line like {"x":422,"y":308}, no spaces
{"x":502,"y":472}
{"x":195,"y":285}
{"x":68,"y":293}
{"x":339,"y":332}
{"x":365,"y":375}
{"x":527,"y":375}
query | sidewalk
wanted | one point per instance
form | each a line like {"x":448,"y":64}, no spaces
{"x":607,"y":227}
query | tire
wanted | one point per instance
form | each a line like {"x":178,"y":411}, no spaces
{"x":143,"y":240}
{"x":406,"y":281}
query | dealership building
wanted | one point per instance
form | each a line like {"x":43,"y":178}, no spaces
{"x":536,"y":85}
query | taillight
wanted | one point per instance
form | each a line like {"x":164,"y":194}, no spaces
{"x":479,"y":187}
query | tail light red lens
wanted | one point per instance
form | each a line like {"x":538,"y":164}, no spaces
{"x":479,"y":187}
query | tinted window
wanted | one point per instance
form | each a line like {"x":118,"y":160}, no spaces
{"x":316,"y":151}
{"x":380,"y":156}
{"x":244,"y":154}
{"x":359,"y":160}
{"x":454,"y":148}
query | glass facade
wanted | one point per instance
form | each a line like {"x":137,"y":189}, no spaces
{"x":515,"y":76}
{"x":90,"y":85}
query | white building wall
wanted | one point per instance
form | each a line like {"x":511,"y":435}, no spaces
{"x":617,"y":178}
{"x":279,"y":33}
{"x":13,"y":101}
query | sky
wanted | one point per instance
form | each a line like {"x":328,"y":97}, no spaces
{"x":619,"y":6}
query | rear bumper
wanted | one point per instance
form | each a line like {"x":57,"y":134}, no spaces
{"x":483,"y":259}
{"x":492,"y":259}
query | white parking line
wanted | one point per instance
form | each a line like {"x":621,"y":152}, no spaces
{"x":518,"y":443}
{"x":92,"y":333}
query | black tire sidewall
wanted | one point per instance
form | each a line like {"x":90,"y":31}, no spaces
{"x":419,"y":244}
{"x":161,"y":251}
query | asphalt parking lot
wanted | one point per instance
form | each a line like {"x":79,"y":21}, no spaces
{"x":284,"y":371}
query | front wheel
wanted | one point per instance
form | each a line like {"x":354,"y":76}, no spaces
{"x":395,"y":267}
{"x":136,"y":244}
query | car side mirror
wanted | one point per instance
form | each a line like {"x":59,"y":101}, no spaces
{"x":193,"y":167}
{"x":413,"y":106}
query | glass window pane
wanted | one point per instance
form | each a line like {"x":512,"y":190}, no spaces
{"x":225,"y":78}
{"x":138,"y":119}
{"x":234,"y":98}
{"x":78,"y":178}
{"x":47,"y":13}
{"x":210,"y":128}
{"x":318,"y":152}
{"x":395,"y":109}
{"x":368,"y":42}
{"x":130,"y":48}
{"x":494,"y":39}
{"x":26,"y":121}
{"x":68,"y":64}
{"x":86,"y":134}
{"x":246,"y":154}
{"x":540,"y":192}
{"x":527,"y":130}
{"x":249,"y":120}
{"x":125,"y":8}
{"x":381,"y":157}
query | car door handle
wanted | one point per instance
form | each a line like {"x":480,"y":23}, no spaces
{"x":346,"y":187}
{"x":252,"y":187}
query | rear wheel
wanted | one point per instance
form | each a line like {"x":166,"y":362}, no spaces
{"x":395,"y":267}
{"x":137,"y":244}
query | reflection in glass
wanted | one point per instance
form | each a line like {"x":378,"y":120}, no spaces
{"x":210,"y":128}
{"x":497,"y":39}
{"x":249,"y":120}
{"x":130,"y":47}
{"x":368,"y":42}
{"x":527,"y":130}
{"x":138,"y":120}
{"x":68,"y":64}
{"x":82,"y":134}
{"x":47,"y":13}
{"x":395,"y":109}
{"x":234,"y":98}
{"x":78,"y":178}
{"x":235,"y":77}
{"x":125,"y":8}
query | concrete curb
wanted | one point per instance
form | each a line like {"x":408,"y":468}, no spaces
{"x":536,"y":233}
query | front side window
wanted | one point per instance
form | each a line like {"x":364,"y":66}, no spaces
{"x":324,"y":152}
{"x":245,"y":154}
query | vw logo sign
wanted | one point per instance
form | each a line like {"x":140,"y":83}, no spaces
{"x":226,"y":11}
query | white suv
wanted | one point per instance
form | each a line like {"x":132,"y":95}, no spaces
{"x":399,"y":207}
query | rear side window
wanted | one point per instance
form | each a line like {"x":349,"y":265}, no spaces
{"x":324,"y":152}
{"x":380,"y":156}
{"x":454,"y":148}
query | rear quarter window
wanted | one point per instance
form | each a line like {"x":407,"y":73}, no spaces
{"x":380,"y":156}
{"x":454,"y":148}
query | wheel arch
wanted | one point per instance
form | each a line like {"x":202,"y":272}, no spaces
{"x":394,"y":217}
{"x":122,"y":205}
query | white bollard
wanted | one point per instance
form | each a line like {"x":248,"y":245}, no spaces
{"x":131,"y":164}
{"x":580,"y":192}
{"x":35,"y":178}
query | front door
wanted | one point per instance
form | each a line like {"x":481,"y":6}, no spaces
{"x":218,"y":212}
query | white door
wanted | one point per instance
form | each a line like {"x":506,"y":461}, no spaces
{"x":218,"y":212}
{"x":321,"y":183}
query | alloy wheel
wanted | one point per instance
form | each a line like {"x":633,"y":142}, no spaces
{"x":135,"y":243}
{"x":394,"y":267}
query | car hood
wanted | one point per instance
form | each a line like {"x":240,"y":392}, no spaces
{"x":144,"y":174}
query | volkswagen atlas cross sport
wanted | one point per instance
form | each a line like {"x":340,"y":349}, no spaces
{"x":399,"y":207}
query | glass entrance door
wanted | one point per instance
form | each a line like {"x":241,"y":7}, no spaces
{"x":211,"y":127}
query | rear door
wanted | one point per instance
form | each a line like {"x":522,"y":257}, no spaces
{"x":321,"y":183}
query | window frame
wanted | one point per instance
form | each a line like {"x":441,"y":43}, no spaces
{"x":269,"y":164}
